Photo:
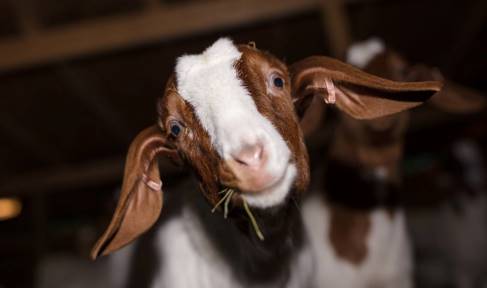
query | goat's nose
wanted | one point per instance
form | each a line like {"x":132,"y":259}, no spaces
{"x":249,"y":166}
{"x":251,"y":156}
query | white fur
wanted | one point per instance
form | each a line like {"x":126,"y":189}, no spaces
{"x":190,"y":260}
{"x":388,"y":262}
{"x":119,"y":264}
{"x":360,"y":54}
{"x":275,"y":194}
{"x":226,"y":110}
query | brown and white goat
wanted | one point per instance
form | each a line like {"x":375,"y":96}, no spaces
{"x":363,"y":240}
{"x":228,"y":114}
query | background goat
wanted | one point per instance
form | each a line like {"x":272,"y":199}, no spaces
{"x":363,"y":240}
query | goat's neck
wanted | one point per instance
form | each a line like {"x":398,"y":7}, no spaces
{"x":250,"y":258}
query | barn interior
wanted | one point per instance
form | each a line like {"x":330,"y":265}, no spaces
{"x":79,"y":79}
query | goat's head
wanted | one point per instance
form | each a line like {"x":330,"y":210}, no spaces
{"x":229,"y":114}
{"x":233,"y":109}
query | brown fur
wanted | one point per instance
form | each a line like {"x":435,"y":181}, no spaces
{"x":370,"y":144}
{"x":367,"y":145}
{"x":348,"y":233}
{"x":275,"y":104}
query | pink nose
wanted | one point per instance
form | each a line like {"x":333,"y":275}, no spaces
{"x":249,"y":165}
{"x":251,"y":156}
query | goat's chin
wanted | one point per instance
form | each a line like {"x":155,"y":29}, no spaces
{"x":275,"y":194}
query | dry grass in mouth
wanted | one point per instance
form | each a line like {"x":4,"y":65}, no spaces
{"x":226,"y":200}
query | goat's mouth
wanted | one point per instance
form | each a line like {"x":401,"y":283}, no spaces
{"x":228,"y":196}
{"x":271,"y":193}
{"x":274,"y":193}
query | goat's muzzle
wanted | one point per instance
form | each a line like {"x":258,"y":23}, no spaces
{"x":250,"y":166}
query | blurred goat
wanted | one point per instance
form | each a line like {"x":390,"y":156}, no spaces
{"x":363,"y":241}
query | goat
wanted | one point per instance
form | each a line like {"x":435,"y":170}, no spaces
{"x":229,"y":115}
{"x":364,"y":241}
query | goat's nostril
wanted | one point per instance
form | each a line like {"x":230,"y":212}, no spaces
{"x":250,"y":155}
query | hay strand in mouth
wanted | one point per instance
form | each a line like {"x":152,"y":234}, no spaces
{"x":227,"y":192}
{"x":227,"y":202}
{"x":253,"y":221}
{"x":227,"y":198}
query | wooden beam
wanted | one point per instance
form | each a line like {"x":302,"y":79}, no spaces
{"x":67,"y":177}
{"x":150,"y":25}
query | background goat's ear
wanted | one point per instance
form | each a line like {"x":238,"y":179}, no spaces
{"x":453,"y":98}
{"x":140,"y":200}
{"x":359,"y":94}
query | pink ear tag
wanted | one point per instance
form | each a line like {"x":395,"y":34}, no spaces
{"x":330,"y":98}
{"x":154,"y":185}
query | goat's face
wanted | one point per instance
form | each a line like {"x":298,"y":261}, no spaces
{"x":370,"y":144}
{"x":230,"y":114}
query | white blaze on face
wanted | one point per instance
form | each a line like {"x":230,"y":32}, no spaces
{"x":361,"y":53}
{"x":226,"y":110}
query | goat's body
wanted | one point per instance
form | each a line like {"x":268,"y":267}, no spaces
{"x":191,"y":260}
{"x":193,"y":247}
{"x":387,"y":262}
{"x":196,"y":248}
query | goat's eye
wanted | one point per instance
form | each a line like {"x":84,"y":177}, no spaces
{"x":278,"y":81}
{"x":175,"y":128}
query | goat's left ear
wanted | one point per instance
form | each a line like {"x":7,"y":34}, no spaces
{"x":140,"y":201}
{"x":359,"y":94}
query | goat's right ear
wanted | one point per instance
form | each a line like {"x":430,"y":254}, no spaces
{"x":359,"y":94}
{"x":141,"y":196}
